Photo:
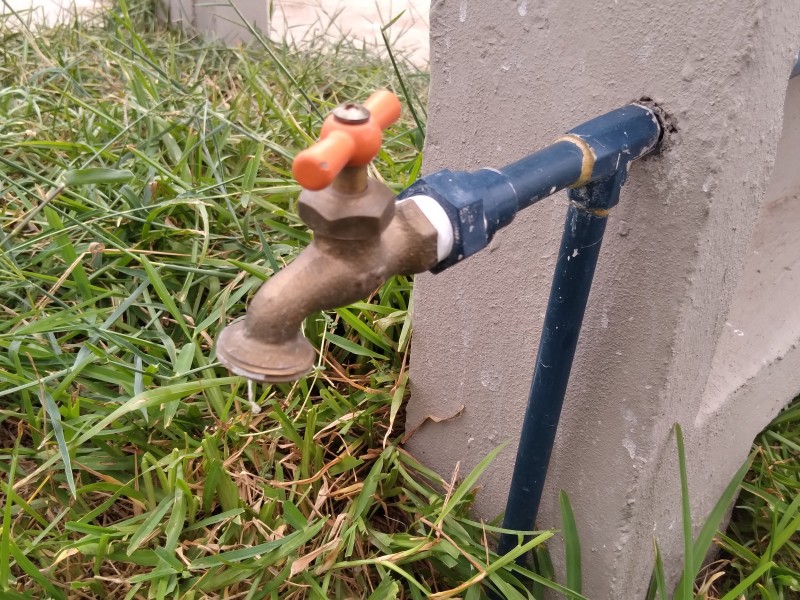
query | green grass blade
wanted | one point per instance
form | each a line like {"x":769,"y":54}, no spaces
{"x":70,"y":255}
{"x":705,"y":537}
{"x":658,"y":575}
{"x":784,"y":532}
{"x":150,"y":398}
{"x":150,"y":524}
{"x":34,"y":572}
{"x":352,"y":347}
{"x":261,"y":550}
{"x":788,"y":525}
{"x":685,"y":589}
{"x":176,"y":521}
{"x":572,"y":545}
{"x":365,"y":498}
{"x":736,"y":592}
{"x":97,"y":176}
{"x":54,"y":414}
{"x":469,"y":483}
{"x":5,"y":541}
{"x":163,"y":293}
{"x":386,"y":590}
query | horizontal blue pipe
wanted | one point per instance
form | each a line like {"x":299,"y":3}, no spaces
{"x":543,"y":173}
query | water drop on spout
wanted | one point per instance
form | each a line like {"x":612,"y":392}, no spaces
{"x":251,"y":397}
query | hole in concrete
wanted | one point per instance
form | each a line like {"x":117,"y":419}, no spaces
{"x":763,"y":323}
{"x":667,"y":121}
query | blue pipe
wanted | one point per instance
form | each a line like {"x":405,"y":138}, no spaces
{"x":481,"y":202}
{"x":577,"y":258}
{"x":592,"y":159}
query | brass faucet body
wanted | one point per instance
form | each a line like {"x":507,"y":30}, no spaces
{"x":362,"y":236}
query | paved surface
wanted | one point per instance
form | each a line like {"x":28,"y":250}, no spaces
{"x":303,"y":21}
{"x":45,"y":12}
{"x":307,"y":20}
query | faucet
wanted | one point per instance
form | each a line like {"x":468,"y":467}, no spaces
{"x":362,"y":237}
{"x":364,"y":234}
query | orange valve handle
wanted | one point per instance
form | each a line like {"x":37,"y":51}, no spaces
{"x":350,"y":137}
{"x":384,"y":107}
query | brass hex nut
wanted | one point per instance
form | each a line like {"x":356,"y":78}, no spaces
{"x":348,"y":216}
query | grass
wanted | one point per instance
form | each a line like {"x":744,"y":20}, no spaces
{"x":761,"y":549}
{"x":147,"y":194}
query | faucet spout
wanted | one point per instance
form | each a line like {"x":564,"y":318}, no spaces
{"x":267,"y":345}
{"x":362,"y":236}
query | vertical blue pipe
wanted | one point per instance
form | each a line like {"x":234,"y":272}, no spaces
{"x":597,"y":154}
{"x":577,"y":257}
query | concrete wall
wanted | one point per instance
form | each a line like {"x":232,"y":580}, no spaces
{"x":219,"y":18}
{"x":693,"y":316}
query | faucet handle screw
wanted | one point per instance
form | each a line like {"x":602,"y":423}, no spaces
{"x":350,"y":137}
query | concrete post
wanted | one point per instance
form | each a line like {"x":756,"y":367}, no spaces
{"x":693,"y":317}
{"x":218,"y":19}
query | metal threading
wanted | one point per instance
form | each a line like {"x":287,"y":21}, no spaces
{"x":351,"y":180}
{"x":351,"y":113}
